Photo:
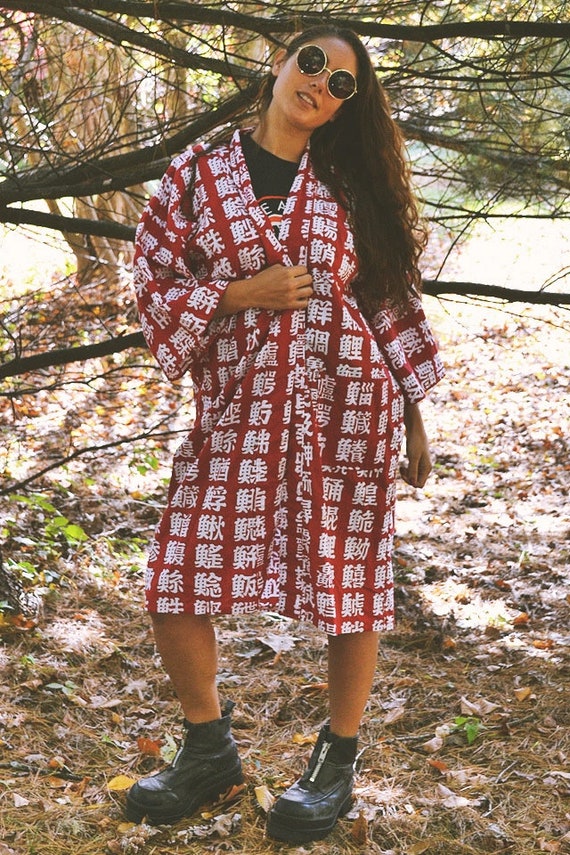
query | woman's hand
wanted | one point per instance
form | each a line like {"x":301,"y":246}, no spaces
{"x":415,"y":472}
{"x":277,"y":287}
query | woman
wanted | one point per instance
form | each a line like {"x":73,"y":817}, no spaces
{"x":281,"y":270}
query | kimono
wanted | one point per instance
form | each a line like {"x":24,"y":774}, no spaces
{"x":282,"y":493}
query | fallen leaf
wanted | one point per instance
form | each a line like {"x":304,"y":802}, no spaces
{"x":420,"y":847}
{"x":394,"y":715}
{"x":521,"y":620}
{"x":466,"y":777}
{"x":433,"y":745}
{"x":120,"y":783}
{"x":149,"y":747}
{"x":56,"y":783}
{"x":19,"y":801}
{"x":479,"y":707}
{"x":277,"y":642}
{"x":549,"y":846}
{"x":224,"y":798}
{"x":265,"y":799}
{"x":440,"y":765}
{"x":523,"y":693}
{"x":359,"y":830}
{"x":301,"y":739}
{"x":315,"y":687}
{"x":124,"y":827}
{"x":450,"y":799}
{"x":543,"y":643}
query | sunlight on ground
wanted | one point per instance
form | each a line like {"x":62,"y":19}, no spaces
{"x":525,"y":254}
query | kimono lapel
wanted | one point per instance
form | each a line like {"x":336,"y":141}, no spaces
{"x":275,"y":247}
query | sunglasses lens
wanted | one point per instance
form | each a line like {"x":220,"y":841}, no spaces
{"x":311,"y":59}
{"x":342,"y":84}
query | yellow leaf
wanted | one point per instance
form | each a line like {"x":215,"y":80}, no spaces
{"x":265,"y":798}
{"x":300,"y":739}
{"x":120,"y":783}
{"x":124,"y":827}
{"x":421,"y":846}
{"x":523,"y":693}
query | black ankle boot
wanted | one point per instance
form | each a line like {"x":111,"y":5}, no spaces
{"x":310,"y":808}
{"x":206,"y":766}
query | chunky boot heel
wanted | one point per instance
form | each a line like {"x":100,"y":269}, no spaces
{"x":206,"y":766}
{"x":310,"y":808}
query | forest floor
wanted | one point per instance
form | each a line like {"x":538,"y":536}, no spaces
{"x":466,"y":738}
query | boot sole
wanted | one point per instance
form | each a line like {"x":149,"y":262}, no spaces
{"x":291,"y":830}
{"x":135,"y":812}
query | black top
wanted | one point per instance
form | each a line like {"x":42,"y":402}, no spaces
{"x":271,"y":178}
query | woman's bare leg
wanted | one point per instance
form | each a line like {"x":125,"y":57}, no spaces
{"x":188,"y":648}
{"x":352,"y":665}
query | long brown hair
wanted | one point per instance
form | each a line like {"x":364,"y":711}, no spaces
{"x":361,"y":157}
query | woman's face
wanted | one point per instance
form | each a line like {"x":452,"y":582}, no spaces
{"x":305,"y":101}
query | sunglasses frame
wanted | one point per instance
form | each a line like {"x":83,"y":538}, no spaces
{"x":325,"y":68}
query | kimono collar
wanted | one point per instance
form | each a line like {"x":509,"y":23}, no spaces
{"x":295,"y":207}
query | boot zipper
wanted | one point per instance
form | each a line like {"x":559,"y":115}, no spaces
{"x":320,"y":761}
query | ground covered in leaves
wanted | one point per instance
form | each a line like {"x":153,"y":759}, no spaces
{"x":465,"y":741}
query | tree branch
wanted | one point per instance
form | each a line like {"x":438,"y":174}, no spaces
{"x":199,"y":13}
{"x":90,"y":449}
{"x":123,"y":170}
{"x":120,"y":34}
{"x":24,"y":364}
{"x":435,"y":288}
{"x":73,"y":225}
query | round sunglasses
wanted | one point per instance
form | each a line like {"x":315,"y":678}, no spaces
{"x":312,"y":60}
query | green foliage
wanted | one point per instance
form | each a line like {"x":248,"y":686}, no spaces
{"x":55,"y":524}
{"x":470,"y":725}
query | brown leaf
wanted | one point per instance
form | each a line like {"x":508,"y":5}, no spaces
{"x":359,"y":830}
{"x":549,"y":846}
{"x":420,"y":847}
{"x":149,"y":747}
{"x":439,"y":765}
{"x":315,"y":687}
{"x":523,"y":693}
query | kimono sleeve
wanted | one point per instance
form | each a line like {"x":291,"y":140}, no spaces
{"x":409,"y":348}
{"x":175,"y":306}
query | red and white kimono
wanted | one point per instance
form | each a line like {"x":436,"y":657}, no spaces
{"x":282,"y":494}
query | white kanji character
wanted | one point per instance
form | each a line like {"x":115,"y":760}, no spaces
{"x":210,"y":527}
{"x":174,"y":552}
{"x":352,"y":604}
{"x":207,"y":585}
{"x":356,"y":549}
{"x":326,"y":604}
{"x":209,"y":556}
{"x":170,"y":581}
{"x":215,"y":498}
{"x":179,"y":524}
